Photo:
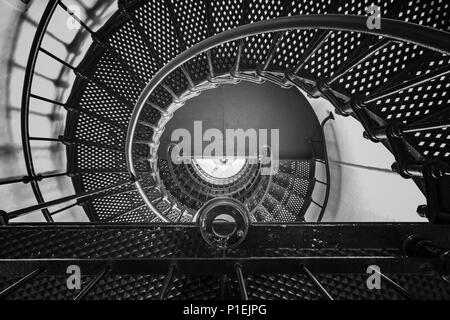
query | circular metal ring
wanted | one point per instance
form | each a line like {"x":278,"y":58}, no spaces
{"x":223,"y":222}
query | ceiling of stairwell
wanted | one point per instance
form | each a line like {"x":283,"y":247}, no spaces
{"x":344,"y":137}
{"x":251,"y":106}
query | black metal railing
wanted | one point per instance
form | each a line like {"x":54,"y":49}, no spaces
{"x":395,"y":253}
{"x":393,"y":31}
{"x":389,"y":133}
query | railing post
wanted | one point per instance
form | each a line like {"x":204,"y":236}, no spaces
{"x":392,"y":284}
{"x":327,"y":168}
{"x":316,"y":282}
{"x":168,"y":280}
{"x":241,"y":281}
{"x":20,"y":282}
{"x":92,"y":284}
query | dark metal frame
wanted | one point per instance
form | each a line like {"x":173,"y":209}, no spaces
{"x":434,"y":174}
{"x":398,"y":248}
{"x":325,"y":163}
{"x":428,"y":248}
{"x":392,"y":29}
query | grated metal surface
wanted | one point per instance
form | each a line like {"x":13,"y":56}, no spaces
{"x":146,"y":35}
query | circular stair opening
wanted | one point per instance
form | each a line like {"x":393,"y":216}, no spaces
{"x":224,"y":225}
{"x":221,"y":169}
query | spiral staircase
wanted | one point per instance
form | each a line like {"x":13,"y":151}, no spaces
{"x":149,"y":60}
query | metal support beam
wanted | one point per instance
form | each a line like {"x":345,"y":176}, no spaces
{"x":224,"y":265}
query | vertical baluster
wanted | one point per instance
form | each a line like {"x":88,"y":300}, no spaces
{"x":46,"y":205}
{"x":92,"y":284}
{"x":113,"y":52}
{"x":317,"y":42}
{"x":241,"y":281}
{"x":28,"y":81}
{"x":440,"y":72}
{"x":168,"y":280}
{"x":393,"y":285}
{"x":316,"y":282}
{"x":20,"y":282}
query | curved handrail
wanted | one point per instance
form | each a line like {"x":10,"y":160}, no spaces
{"x":430,"y":38}
{"x":28,"y":81}
{"x":327,"y":167}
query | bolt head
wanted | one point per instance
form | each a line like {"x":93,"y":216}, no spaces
{"x":366,"y":135}
{"x":422,"y":211}
{"x":4,"y":219}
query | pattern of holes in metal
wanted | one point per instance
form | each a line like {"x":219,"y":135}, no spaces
{"x":295,"y":42}
{"x":434,"y":13}
{"x":198,"y":68}
{"x":90,"y":129}
{"x":95,"y":181}
{"x":298,"y":168}
{"x":154,"y":17}
{"x":292,"y":201}
{"x":102,"y":103}
{"x":140,"y":151}
{"x":177,"y":81}
{"x":154,"y":242}
{"x":380,"y":68}
{"x":89,"y":157}
{"x":119,"y":287}
{"x":113,"y":74}
{"x":419,"y":103}
{"x":265,"y":286}
{"x":263,"y":215}
{"x":295,"y":184}
{"x":285,"y":201}
{"x":432,"y":143}
{"x":333,"y":53}
{"x":104,"y":243}
{"x":133,"y":49}
{"x":256,"y":47}
{"x":190,"y":17}
{"x":174,"y":188}
{"x":117,"y":205}
{"x":224,"y":16}
{"x":151,"y":116}
{"x":343,"y":286}
{"x":278,"y":210}
{"x":160,"y":97}
{"x":138,"y":214}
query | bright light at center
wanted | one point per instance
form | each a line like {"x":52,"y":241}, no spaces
{"x":221,"y":168}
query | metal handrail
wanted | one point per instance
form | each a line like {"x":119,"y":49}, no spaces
{"x":393,"y":29}
{"x":28,"y":80}
{"x":327,"y":167}
{"x":41,"y":32}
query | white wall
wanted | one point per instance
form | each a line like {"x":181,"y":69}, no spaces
{"x":359,"y":194}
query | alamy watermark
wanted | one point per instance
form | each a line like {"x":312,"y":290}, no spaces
{"x":72,"y":23}
{"x":73,"y":281}
{"x":374,"y":19}
{"x":373,"y":281}
{"x":255,"y":145}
